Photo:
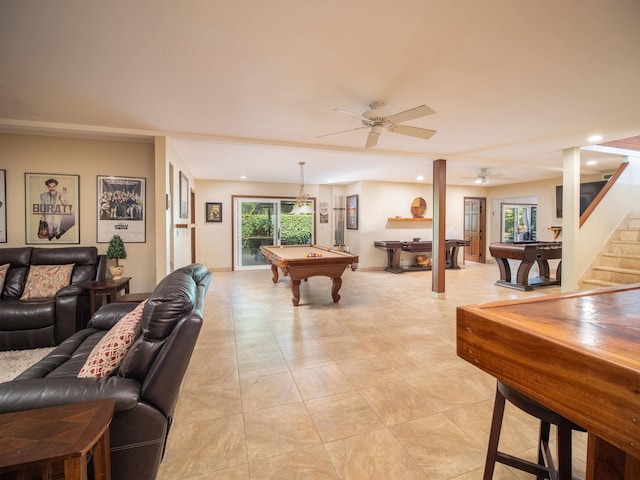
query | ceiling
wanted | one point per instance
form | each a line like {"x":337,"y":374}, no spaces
{"x":245,"y":88}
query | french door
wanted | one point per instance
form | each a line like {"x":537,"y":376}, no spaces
{"x":266,"y":221}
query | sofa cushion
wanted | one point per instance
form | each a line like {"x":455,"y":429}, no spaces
{"x":3,"y":274}
{"x":44,"y":281}
{"x":109,"y":351}
{"x":27,"y":314}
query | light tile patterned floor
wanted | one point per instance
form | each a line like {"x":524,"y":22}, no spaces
{"x":369,"y":388}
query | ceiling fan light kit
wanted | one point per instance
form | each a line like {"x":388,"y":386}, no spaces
{"x":377,"y":118}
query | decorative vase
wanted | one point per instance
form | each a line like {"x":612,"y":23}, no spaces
{"x":116,"y":271}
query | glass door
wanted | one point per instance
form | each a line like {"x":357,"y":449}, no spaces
{"x":262,"y":221}
{"x":256,"y":225}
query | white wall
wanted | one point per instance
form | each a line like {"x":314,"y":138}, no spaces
{"x":20,"y":154}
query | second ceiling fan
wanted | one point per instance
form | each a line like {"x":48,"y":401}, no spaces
{"x":377,"y":118}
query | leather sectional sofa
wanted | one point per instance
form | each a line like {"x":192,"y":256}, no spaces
{"x":146,"y":383}
{"x":46,"y":322}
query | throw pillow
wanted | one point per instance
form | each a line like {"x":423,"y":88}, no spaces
{"x":3,"y":274}
{"x":44,"y":281}
{"x":109,"y":351}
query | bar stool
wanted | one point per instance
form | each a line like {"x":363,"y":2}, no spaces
{"x":545,"y":468}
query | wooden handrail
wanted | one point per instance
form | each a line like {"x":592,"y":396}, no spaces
{"x":607,"y":186}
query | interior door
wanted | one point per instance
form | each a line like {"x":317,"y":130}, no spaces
{"x":474,"y":229}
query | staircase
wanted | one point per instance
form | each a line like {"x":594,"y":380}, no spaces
{"x":619,"y":261}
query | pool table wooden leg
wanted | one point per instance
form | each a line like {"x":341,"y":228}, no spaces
{"x":295,"y":290}
{"x":337,"y":283}
{"x":274,"y":270}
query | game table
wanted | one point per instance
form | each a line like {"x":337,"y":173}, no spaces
{"x":527,"y":253}
{"x":395,"y":248}
{"x":577,"y":354}
{"x":299,"y":262}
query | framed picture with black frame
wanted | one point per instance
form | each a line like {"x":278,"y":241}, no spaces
{"x":3,"y":206}
{"x":121,"y":209}
{"x":213,"y":211}
{"x":184,"y":196}
{"x":352,"y":212}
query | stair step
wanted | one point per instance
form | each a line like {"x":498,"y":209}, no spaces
{"x":599,"y":283}
{"x":628,"y":271}
{"x":621,"y":255}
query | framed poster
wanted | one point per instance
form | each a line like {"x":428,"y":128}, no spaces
{"x":3,"y":206}
{"x":213,"y":212}
{"x":184,"y":196}
{"x":352,"y":212}
{"x":52,"y":203}
{"x":122,"y":210}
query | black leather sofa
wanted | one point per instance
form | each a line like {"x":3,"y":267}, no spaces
{"x":46,"y":322}
{"x":145,"y":385}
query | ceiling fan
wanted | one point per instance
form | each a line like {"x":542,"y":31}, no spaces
{"x":484,"y":176}
{"x":377,"y":118}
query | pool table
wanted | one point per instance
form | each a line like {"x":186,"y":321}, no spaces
{"x":298,"y":263}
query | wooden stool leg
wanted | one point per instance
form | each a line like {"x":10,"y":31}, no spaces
{"x":564,"y":450}
{"x":544,"y":452}
{"x":494,"y":436}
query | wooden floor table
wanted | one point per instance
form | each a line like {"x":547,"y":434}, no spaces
{"x":578,"y":354}
{"x":44,"y":442}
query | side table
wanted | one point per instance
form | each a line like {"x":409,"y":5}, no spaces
{"x":108,"y":288}
{"x":34,"y":443}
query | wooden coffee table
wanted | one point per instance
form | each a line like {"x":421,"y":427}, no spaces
{"x":35,"y":443}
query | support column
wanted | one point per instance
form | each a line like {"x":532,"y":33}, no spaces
{"x":439,"y":228}
{"x":570,"y":217}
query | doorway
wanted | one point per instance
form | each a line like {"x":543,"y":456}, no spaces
{"x":267,"y":221}
{"x":475,"y":228}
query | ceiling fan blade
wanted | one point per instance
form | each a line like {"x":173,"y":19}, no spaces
{"x":342,"y":131}
{"x":411,"y":131}
{"x":372,"y":140}
{"x":417,"y":112}
{"x":351,"y":114}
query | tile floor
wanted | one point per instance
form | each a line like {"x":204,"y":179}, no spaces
{"x":369,"y":388}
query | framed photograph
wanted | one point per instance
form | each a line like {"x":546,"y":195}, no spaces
{"x":213,"y":212}
{"x":3,"y":206}
{"x":52,"y":208}
{"x":121,"y":208}
{"x":352,"y":212}
{"x":184,"y":196}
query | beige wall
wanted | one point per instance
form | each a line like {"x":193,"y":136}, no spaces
{"x":20,"y":154}
{"x":377,"y":201}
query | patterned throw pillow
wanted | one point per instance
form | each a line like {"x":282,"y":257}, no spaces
{"x":109,"y":351}
{"x":3,"y":274}
{"x":44,"y":281}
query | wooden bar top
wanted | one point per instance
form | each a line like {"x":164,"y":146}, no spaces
{"x":578,"y":354}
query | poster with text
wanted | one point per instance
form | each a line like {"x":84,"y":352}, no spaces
{"x":52,"y":208}
{"x":3,"y":206}
{"x":121,"y":209}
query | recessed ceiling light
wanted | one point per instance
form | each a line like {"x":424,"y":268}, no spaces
{"x":594,"y":138}
{"x":419,"y":178}
{"x":592,"y":162}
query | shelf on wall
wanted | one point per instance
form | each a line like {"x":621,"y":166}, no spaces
{"x":409,"y":219}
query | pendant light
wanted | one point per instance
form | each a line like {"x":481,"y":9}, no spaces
{"x":301,"y":206}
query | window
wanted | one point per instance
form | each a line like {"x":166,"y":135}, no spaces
{"x":519,"y":223}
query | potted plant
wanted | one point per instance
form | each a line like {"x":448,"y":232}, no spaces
{"x":116,"y":251}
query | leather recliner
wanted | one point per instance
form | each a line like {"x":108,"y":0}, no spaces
{"x":145,"y":385}
{"x":46,"y":322}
